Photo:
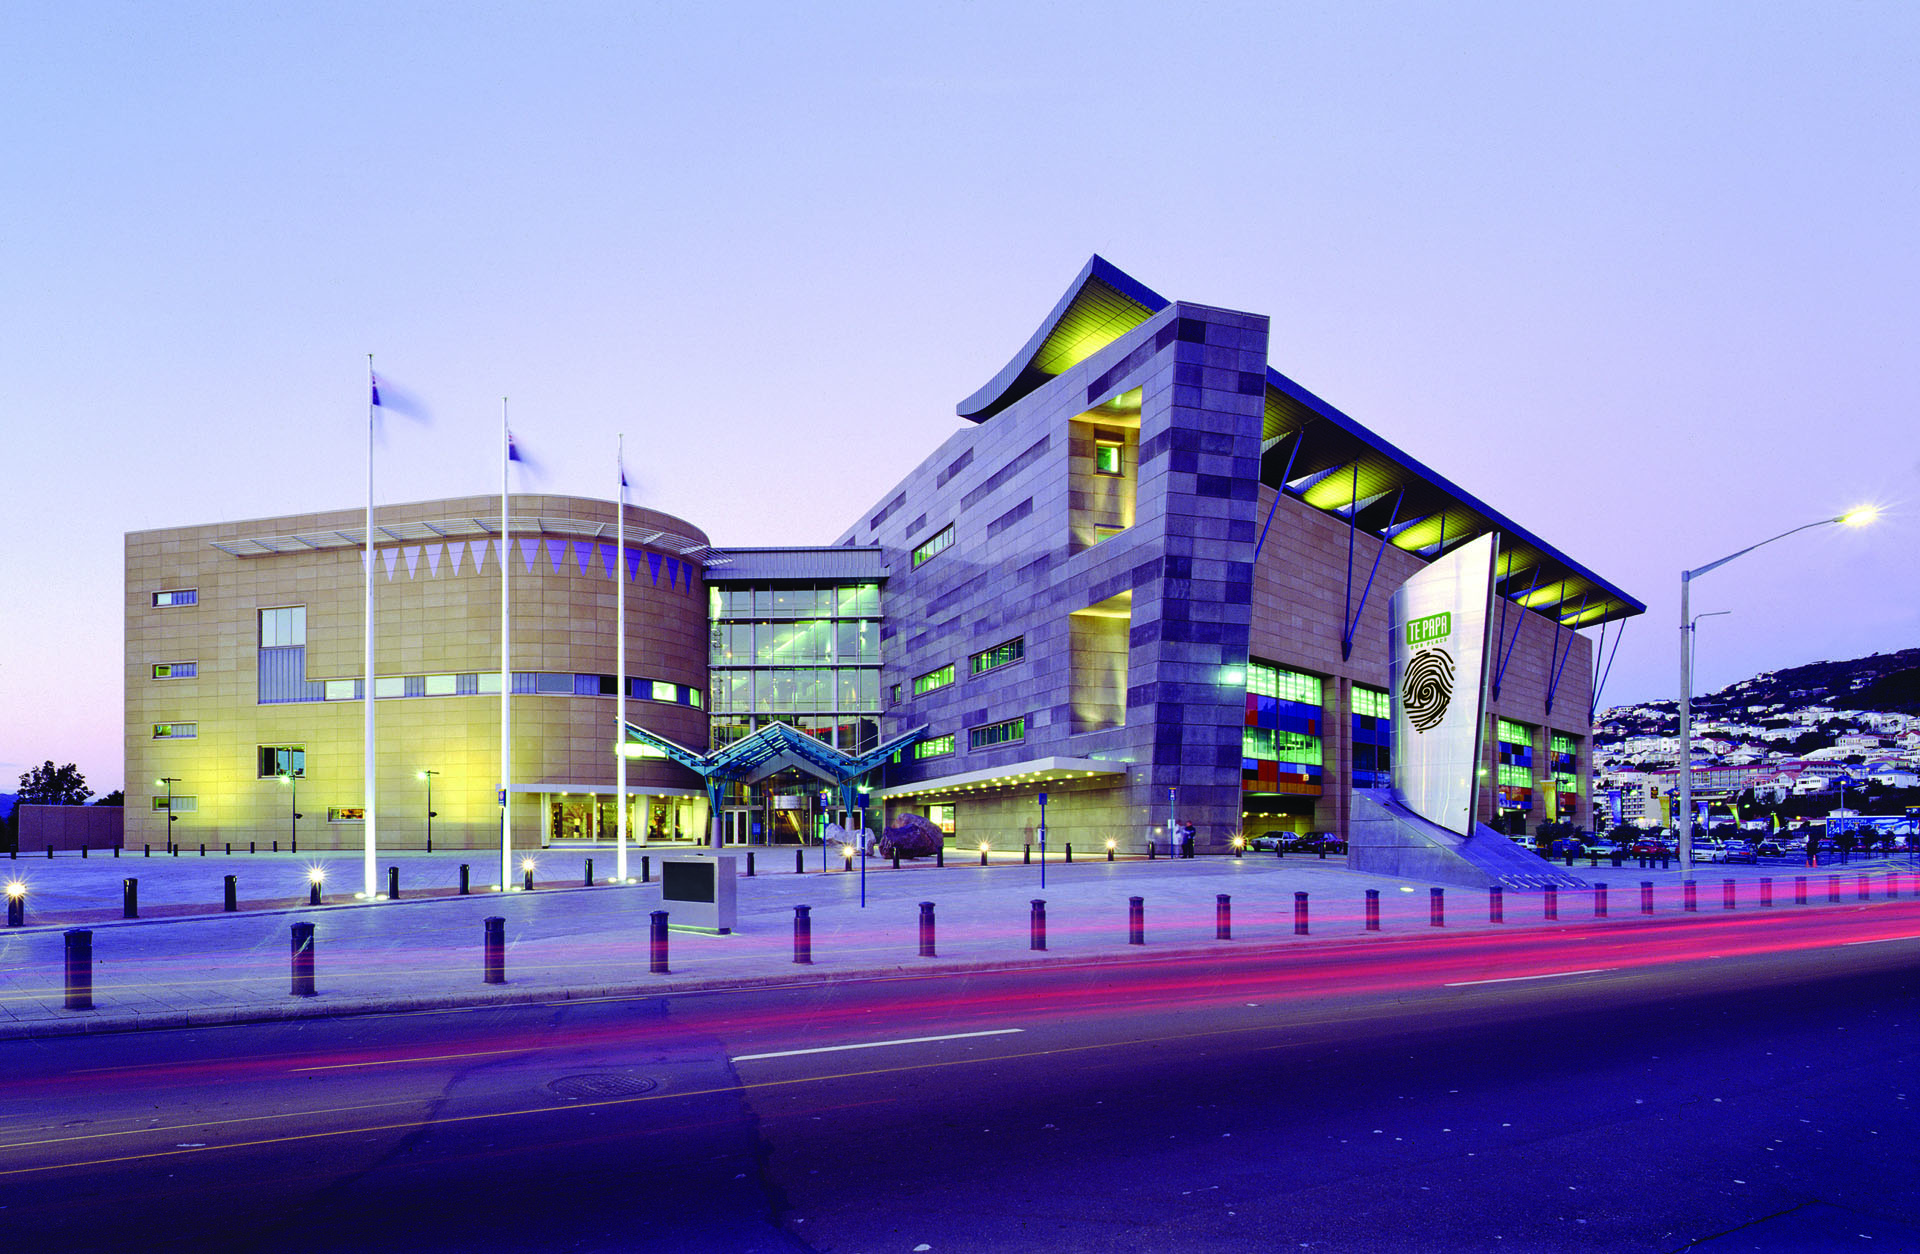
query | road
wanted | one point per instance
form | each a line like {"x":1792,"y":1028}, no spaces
{"x":1724,"y":1082}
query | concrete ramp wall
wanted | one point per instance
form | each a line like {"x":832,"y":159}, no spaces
{"x":1386,"y":838}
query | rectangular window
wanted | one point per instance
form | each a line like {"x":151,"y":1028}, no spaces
{"x":346,"y":814}
{"x":934,"y":747}
{"x":487,"y":683}
{"x":1370,"y":702}
{"x":277,"y":760}
{"x":933,"y":679}
{"x":1106,"y":458}
{"x":997,"y":733}
{"x":693,"y":697}
{"x":942,"y":817}
{"x":439,"y":686}
{"x":662,"y":691}
{"x":181,"y":804}
{"x":1516,"y":733}
{"x":1267,"y":680}
{"x":176,"y":731}
{"x":1004,"y":654}
{"x":390,"y":686}
{"x":178,"y":596}
{"x":938,"y":542}
{"x":280,"y":628}
{"x":175,"y":670}
{"x":893,"y":695}
{"x":342,"y":689}
{"x":860,"y":601}
{"x":1103,"y":532}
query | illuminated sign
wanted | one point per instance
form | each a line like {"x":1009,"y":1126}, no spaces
{"x":1440,"y":651}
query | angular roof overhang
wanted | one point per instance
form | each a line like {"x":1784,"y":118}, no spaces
{"x":1315,"y":453}
{"x":775,"y":748}
{"x":1028,"y":774}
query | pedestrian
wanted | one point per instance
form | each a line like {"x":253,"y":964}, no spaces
{"x":1186,"y":839}
{"x":1813,"y":849}
{"x":1845,"y":841}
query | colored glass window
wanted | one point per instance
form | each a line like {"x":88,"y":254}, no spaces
{"x":999,"y":655}
{"x":939,"y":542}
{"x":997,"y":733}
{"x":176,"y":731}
{"x":1106,"y":458}
{"x":933,"y":679}
{"x":175,"y":670}
{"x":934,"y":747}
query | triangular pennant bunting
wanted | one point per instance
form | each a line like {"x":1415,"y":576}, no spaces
{"x":393,"y":557}
{"x":673,"y":572}
{"x":433,"y":559}
{"x":413,"y":559}
{"x":455,"y":552}
{"x":583,"y":553}
{"x":633,"y":565}
{"x":606,"y":559}
{"x":653,"y":560}
{"x":557,"y":550}
{"x":528,"y":548}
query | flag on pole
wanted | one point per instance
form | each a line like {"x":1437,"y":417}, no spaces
{"x":623,"y":478}
{"x":398,"y":400}
{"x":517,"y":454}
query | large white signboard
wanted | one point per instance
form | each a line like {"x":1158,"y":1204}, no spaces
{"x":1439,"y":623}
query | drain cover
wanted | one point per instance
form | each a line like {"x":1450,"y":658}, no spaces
{"x":575,"y":1088}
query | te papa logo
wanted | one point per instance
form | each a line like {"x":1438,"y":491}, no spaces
{"x":1426,"y":689}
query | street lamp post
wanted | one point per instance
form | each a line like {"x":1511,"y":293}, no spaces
{"x":293,"y":808}
{"x":169,"y":781}
{"x":428,"y":776}
{"x":1859,"y":517}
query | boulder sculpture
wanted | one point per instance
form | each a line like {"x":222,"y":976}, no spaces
{"x":911,"y":836}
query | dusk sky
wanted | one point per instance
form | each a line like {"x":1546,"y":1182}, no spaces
{"x":1642,"y":276}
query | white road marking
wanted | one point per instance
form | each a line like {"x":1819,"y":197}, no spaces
{"x":907,"y":1040}
{"x":1881,"y":940}
{"x":1510,"y":979}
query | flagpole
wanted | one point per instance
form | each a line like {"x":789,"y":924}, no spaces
{"x":367,"y":687}
{"x":620,"y":653}
{"x":506,"y":664}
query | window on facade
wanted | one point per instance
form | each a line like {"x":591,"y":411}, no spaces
{"x":938,"y":542}
{"x":175,"y":670}
{"x":440,"y":686}
{"x":939,"y":678}
{"x":282,"y":627}
{"x":857,"y":641}
{"x":663,"y":691}
{"x":176,"y":731}
{"x":1106,"y":458}
{"x":1372,"y":737}
{"x":860,"y":600}
{"x":177,"y":596}
{"x":278,"y":760}
{"x":181,"y":804}
{"x":342,"y":689}
{"x":1003,"y":654}
{"x":487,"y":683}
{"x":1281,"y":747}
{"x":346,"y":814}
{"x":997,"y":733}
{"x":1102,"y":531}
{"x":934,"y":747}
{"x":390,"y":686}
{"x":893,"y":695}
{"x":941,"y":816}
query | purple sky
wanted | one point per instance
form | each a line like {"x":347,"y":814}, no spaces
{"x":1642,"y":276}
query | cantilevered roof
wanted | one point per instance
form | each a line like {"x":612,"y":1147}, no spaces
{"x":1315,"y":453}
{"x":463,"y":528}
{"x":773,"y":749}
{"x":1102,"y":304}
{"x":864,"y":562}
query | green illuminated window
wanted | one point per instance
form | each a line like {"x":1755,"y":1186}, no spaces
{"x":1371,"y":702}
{"x":1565,"y":782}
{"x":1563,"y":743}
{"x":176,"y":731}
{"x":934,"y":747}
{"x":1106,"y":458}
{"x":1271,"y":745}
{"x":1103,"y":532}
{"x":939,"y":542}
{"x":1516,"y":776}
{"x":997,"y":733}
{"x":999,"y":655}
{"x":175,"y":670}
{"x":1267,"y":680}
{"x":933,"y":679}
{"x":1515,"y":733}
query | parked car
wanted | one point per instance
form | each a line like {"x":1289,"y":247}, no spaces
{"x":1267,"y":842}
{"x":1770,"y":849}
{"x":1709,"y":851}
{"x":1651,"y":849}
{"x":1739,"y":851}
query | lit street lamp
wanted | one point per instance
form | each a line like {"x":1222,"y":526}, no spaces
{"x":169,"y":781}
{"x":428,"y":776}
{"x":1858,"y":517}
{"x":289,"y":778}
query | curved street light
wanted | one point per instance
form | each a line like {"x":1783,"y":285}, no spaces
{"x":1859,"y":516}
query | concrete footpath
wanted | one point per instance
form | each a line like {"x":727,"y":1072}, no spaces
{"x":185,"y":962}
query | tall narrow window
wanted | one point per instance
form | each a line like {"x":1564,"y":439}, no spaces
{"x":282,"y":627}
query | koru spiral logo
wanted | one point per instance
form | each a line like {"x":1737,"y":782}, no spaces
{"x":1427,"y":688}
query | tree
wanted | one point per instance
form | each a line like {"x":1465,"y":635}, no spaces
{"x":114,"y":798}
{"x":50,"y":785}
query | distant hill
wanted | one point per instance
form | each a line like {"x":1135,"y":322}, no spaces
{"x":6,"y":803}
{"x":1884,"y":681}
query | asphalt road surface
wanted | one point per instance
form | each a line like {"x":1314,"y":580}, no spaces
{"x":1727,"y":1083}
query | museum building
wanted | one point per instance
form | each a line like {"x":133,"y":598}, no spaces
{"x":1149,"y":576}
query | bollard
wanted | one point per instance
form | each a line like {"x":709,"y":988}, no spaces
{"x":646,"y":869}
{"x":1726,"y":894}
{"x":229,"y":849}
{"x":1766,"y":890}
{"x":146,"y":851}
{"x":1069,"y":851}
{"x":1037,"y":925}
{"x":1299,"y":914}
{"x":276,"y":846}
{"x":1553,"y":901}
{"x":17,"y":906}
{"x":589,"y":874}
{"x":657,"y":944}
{"x":176,"y":852}
{"x":232,"y":894}
{"x":1150,"y":853}
{"x":393,"y":883}
{"x":129,"y":899}
{"x":1239,"y":846}
{"x":83,"y":851}
{"x":526,"y":879}
{"x":250,"y":848}
{"x":926,"y":929}
{"x":1109,"y":851}
{"x":1862,"y":892}
{"x":1690,"y":893}
{"x":799,"y":862}
{"x":466,"y":885}
{"x":493,"y":960}
{"x":1646,"y":896}
{"x":1497,"y":904}
{"x":1136,"y":920}
{"x":803,"y":934}
{"x":1373,"y":909}
{"x":1222,"y":917}
{"x":1599,"y":901}
{"x":303,"y":960}
{"x":1569,"y":857}
{"x":313,"y":892}
{"x":1799,"y":890}
{"x":940,"y":856}
{"x":1026,"y":855}
{"x":1436,"y":907}
{"x":983,"y":855}
{"x":203,"y":849}
{"x":848,"y":851}
{"x":1833,"y":888}
{"x":116,"y":851}
{"x":896,"y":859}
{"x":749,"y":865}
{"x":79,"y":969}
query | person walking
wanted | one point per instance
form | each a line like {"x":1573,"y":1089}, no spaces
{"x":1813,"y":849}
